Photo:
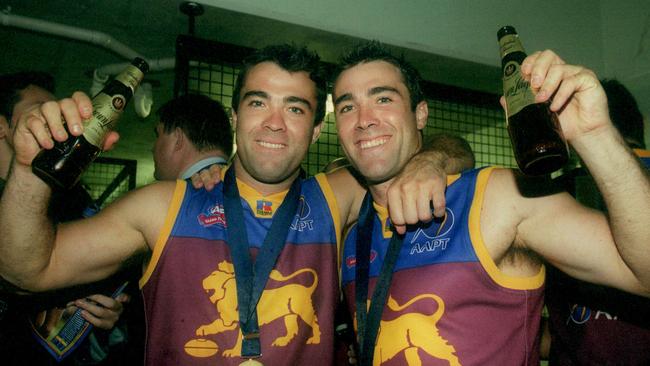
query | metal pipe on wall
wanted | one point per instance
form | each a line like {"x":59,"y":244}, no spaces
{"x":142,"y":98}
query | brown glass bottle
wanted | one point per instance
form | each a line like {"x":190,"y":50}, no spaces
{"x":62,"y":166}
{"x":535,"y":133}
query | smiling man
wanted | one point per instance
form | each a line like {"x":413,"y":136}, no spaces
{"x":470,"y":286}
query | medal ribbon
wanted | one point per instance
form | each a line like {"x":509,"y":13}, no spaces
{"x":368,"y":321}
{"x":251,"y":278}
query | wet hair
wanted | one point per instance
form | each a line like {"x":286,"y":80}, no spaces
{"x":376,"y":51}
{"x":291,"y":58}
{"x":12,"y":84}
{"x":624,"y":112}
{"x":202,"y":119}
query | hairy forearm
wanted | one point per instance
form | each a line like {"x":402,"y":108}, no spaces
{"x":27,"y":232}
{"x":625,"y":186}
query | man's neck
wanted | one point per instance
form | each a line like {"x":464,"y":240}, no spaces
{"x":264,"y":189}
{"x":379,"y":192}
{"x":191,"y":166}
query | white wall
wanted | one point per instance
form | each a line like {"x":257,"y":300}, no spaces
{"x":626,"y":42}
{"x":612,"y":37}
{"x":463,"y":29}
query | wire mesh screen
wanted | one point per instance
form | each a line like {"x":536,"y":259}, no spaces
{"x":214,"y":80}
{"x":483,"y":127}
{"x":203,"y":70}
{"x":108,"y":178}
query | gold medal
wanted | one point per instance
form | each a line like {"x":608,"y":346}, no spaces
{"x":251,"y":362}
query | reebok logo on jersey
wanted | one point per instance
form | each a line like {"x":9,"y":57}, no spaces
{"x":264,"y":208}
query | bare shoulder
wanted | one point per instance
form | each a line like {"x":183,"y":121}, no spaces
{"x":348,"y":191}
{"x":143,"y":209}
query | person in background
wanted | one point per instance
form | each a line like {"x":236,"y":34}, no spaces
{"x":468,"y":289}
{"x":455,"y":146}
{"x":590,"y":324}
{"x":19,"y":347}
{"x":193,"y":133}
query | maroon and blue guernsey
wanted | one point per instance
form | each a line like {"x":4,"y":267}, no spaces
{"x":449,"y":304}
{"x":190,"y":292}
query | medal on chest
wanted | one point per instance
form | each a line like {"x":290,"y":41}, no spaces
{"x":251,"y":362}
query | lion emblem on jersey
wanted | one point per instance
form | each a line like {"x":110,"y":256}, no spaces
{"x":412,"y":332}
{"x":289,"y":303}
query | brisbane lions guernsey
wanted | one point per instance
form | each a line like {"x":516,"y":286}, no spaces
{"x":189,"y":287}
{"x":448,"y":303}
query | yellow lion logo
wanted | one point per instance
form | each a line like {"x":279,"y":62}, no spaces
{"x":289,"y":302}
{"x":412,"y":332}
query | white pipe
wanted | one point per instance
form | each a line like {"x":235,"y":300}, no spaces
{"x":142,"y":98}
{"x":154,"y":65}
{"x":94,"y":37}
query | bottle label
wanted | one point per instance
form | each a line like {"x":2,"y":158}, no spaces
{"x":510,"y":43}
{"x":108,"y":108}
{"x":131,"y":77}
{"x":106,"y":111}
{"x":516,"y":90}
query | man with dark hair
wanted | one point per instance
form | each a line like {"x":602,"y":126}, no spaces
{"x":193,"y":133}
{"x":455,"y":146}
{"x":205,"y":302}
{"x":17,"y":91}
{"x":469,"y":286}
{"x":591,"y":324}
{"x":291,"y":58}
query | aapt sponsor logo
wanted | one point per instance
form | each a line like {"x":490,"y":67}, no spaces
{"x":215,"y":215}
{"x":435,"y":236}
{"x":301,"y":221}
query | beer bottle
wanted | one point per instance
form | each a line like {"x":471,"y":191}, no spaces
{"x":537,"y":141}
{"x":62,"y":166}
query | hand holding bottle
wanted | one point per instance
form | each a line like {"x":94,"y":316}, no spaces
{"x":62,"y":166}
{"x":575,"y":93}
{"x":42,"y":124}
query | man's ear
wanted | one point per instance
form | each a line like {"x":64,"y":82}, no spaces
{"x":316,"y":133}
{"x":234,"y":120}
{"x":179,"y":139}
{"x":421,"y":114}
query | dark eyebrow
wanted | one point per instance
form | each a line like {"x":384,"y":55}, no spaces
{"x":373,"y":91}
{"x":380,"y":89}
{"x":255,"y":93}
{"x":294,"y":99}
{"x":342,"y":98}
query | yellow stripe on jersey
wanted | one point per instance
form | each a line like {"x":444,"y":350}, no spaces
{"x":642,"y":153}
{"x":333,"y":206}
{"x":172,"y":213}
{"x":511,"y":282}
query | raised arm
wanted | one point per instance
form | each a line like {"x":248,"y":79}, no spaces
{"x":37,"y":256}
{"x":613,"y":250}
